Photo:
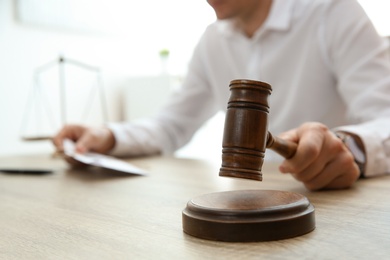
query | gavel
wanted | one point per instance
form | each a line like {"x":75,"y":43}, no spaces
{"x":246,"y":137}
{"x":249,"y":215}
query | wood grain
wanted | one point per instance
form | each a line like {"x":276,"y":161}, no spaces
{"x":93,"y":214}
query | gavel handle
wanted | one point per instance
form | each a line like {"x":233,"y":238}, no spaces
{"x":283,"y":147}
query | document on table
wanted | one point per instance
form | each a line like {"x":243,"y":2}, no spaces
{"x":100,"y":160}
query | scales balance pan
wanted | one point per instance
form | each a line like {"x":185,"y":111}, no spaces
{"x":248,"y":215}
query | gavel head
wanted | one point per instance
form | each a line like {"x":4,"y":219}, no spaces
{"x":245,"y":132}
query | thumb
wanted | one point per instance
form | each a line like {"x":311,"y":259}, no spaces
{"x":290,"y":135}
{"x":84,"y":144}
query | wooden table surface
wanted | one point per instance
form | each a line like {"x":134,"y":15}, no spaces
{"x":94,"y":214}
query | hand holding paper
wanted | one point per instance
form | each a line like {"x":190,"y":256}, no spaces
{"x":100,"y":160}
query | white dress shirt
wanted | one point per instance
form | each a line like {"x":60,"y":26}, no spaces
{"x":324,"y":61}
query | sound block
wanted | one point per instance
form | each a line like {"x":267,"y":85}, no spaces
{"x":248,"y":216}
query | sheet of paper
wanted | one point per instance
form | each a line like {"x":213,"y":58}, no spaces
{"x":101,"y":160}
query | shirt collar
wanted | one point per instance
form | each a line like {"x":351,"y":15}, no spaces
{"x":279,"y":19}
{"x":280,"y":15}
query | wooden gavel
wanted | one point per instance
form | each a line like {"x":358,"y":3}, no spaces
{"x":249,"y":215}
{"x":246,"y":134}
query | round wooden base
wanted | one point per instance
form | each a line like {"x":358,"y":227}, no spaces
{"x":248,"y":216}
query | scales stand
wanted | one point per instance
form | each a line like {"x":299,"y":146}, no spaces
{"x":39,"y":102}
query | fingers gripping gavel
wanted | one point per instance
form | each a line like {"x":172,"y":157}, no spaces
{"x":283,"y":147}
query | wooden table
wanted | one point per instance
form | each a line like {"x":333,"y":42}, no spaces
{"x":92,"y":214}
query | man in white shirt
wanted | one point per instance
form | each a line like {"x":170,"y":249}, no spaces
{"x":329,"y":71}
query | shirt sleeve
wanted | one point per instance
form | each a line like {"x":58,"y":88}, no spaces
{"x":174,"y":125}
{"x":360,"y":62}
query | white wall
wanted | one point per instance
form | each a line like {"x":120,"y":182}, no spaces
{"x":121,"y":56}
{"x":378,"y":12}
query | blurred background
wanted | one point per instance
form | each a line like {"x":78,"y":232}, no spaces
{"x":91,"y":61}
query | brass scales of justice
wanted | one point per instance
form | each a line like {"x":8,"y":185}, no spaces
{"x":248,"y":215}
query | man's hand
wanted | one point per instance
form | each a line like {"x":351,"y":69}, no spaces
{"x":321,"y":161}
{"x":99,"y":140}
